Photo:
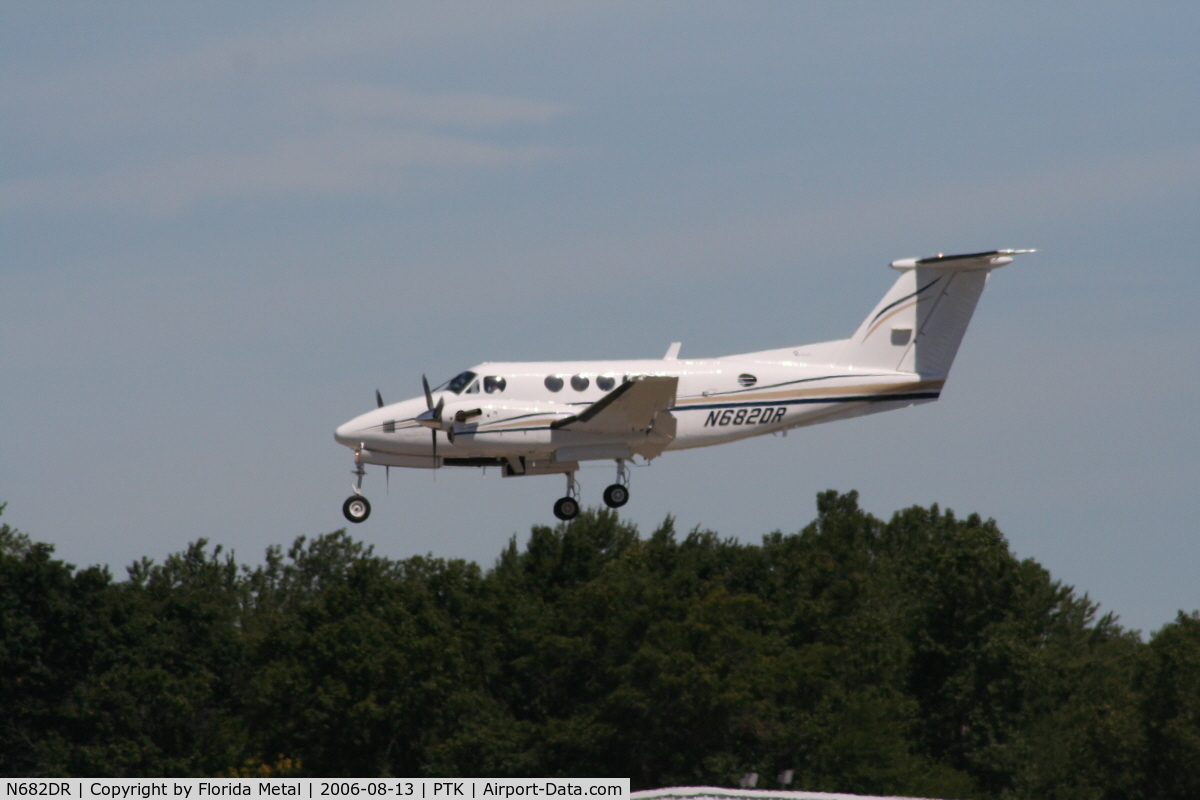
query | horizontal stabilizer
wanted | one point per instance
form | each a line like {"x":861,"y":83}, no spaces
{"x":989,"y":260}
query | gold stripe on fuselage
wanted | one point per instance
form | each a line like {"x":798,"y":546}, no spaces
{"x":795,"y":394}
{"x":541,"y":419}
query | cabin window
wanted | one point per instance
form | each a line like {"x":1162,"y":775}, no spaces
{"x":747,"y":380}
{"x":389,"y":426}
{"x":579,"y":382}
{"x":554,"y":382}
{"x":460,"y":382}
{"x":605,"y":383}
{"x":494,"y":383}
{"x":901,"y":336}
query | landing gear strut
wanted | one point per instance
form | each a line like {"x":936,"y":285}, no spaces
{"x":567,"y":508}
{"x":356,"y":508}
{"x":617,"y":495}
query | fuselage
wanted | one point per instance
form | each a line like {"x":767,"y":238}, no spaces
{"x":501,"y":410}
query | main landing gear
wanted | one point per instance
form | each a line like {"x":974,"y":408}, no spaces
{"x":567,"y":508}
{"x":357,"y":508}
{"x":615,"y":496}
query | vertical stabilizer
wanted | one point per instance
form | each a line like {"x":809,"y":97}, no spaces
{"x":919,"y":324}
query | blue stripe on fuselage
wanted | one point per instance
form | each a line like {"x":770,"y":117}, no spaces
{"x":862,"y":398}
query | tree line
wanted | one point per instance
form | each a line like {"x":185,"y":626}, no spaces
{"x":913,"y":656}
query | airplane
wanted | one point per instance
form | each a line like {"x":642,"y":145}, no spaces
{"x":544,"y":418}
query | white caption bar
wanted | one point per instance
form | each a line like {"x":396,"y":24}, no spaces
{"x":320,"y":788}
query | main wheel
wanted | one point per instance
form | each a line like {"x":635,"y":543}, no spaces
{"x":567,"y":508}
{"x":616,"y":496}
{"x":356,"y":508}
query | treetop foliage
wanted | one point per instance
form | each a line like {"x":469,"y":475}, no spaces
{"x":912,"y":656}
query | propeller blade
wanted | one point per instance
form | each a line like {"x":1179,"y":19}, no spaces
{"x":428,"y":394}
{"x":378,"y":399}
{"x":434,"y":432}
{"x":433,"y":417}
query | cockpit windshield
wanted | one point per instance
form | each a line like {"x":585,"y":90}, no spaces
{"x":459,"y":382}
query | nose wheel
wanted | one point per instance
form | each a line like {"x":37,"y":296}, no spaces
{"x":356,"y":508}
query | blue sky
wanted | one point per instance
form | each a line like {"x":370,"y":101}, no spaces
{"x":225,"y":225}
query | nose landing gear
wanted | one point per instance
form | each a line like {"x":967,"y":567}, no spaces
{"x":357,"y":508}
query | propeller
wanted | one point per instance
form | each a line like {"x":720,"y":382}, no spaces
{"x":432,"y":418}
{"x":378,"y":399}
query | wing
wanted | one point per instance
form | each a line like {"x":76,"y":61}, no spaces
{"x":630,"y":408}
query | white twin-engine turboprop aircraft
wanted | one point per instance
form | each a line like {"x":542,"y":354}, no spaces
{"x":541,"y":418}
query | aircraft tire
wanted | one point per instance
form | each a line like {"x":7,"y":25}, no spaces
{"x":566,"y":508}
{"x":616,"y":496}
{"x":356,"y":508}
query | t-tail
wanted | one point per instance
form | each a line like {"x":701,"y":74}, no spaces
{"x":919,"y":324}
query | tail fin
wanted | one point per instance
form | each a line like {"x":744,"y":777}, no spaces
{"x":920,"y":322}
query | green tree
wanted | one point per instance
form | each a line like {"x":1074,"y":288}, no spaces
{"x":49,"y":630}
{"x":1172,"y":710}
{"x":915,"y":656}
{"x":353,"y":657}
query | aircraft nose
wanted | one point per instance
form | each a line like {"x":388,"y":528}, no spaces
{"x":347,"y":433}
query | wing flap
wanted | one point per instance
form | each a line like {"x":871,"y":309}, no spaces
{"x":630,"y":408}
